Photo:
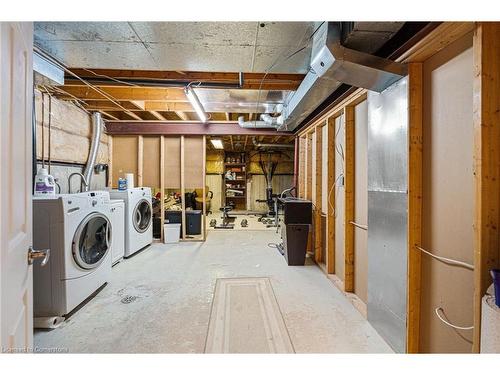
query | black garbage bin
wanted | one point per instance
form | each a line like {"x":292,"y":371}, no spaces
{"x":295,"y":230}
{"x":295,"y":243}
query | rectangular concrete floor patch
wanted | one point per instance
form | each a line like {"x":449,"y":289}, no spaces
{"x":246,"y":318}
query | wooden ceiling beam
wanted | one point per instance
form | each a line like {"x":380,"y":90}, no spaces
{"x":158,"y":115}
{"x":133,"y":115}
{"x":185,"y":128}
{"x":126,"y":93}
{"x":113,"y":117}
{"x":182,"y":115}
{"x":271,"y":81}
{"x":168,"y":106}
{"x":98,"y":105}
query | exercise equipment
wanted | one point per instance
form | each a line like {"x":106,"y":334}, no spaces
{"x":227,"y":221}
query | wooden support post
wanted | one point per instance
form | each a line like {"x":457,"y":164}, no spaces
{"x":110,"y":161}
{"x":308,"y":183}
{"x":486,"y":121}
{"x":140,"y":159}
{"x":349,"y":200}
{"x":330,"y":218}
{"x":302,"y":168}
{"x":415,"y":142}
{"x":183,"y":192}
{"x":162,"y":184}
{"x":204,"y":212}
{"x":318,"y":246}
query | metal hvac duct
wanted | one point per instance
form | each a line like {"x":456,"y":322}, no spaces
{"x":266,"y":122}
{"x":331,"y":65}
{"x":272,"y":145}
{"x":94,"y":148}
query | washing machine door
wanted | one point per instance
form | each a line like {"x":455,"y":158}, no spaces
{"x":91,"y":241}
{"x":141,"y":217}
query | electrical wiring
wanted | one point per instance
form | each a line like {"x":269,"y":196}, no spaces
{"x":111,"y":78}
{"x":341,"y":175}
{"x":78,"y":102}
{"x":275,"y":64}
{"x":440,"y":309}
{"x":447,"y":260}
{"x":98,"y":90}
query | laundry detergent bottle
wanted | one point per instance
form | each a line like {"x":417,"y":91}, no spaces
{"x":45,"y":184}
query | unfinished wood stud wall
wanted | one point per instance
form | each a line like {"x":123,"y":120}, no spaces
{"x":486,"y":123}
{"x":159,"y":162}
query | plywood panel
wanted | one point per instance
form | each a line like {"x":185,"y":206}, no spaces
{"x":194,"y":156}
{"x":447,"y":207}
{"x":214,"y":183}
{"x":124,"y":157}
{"x":151,"y":161}
{"x":172,"y":162}
{"x":339,"y":197}
{"x":258,"y":189}
{"x":361,"y":201}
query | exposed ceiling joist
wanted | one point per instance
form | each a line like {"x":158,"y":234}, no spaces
{"x":185,"y":128}
{"x":158,"y":115}
{"x":171,"y":94}
{"x":271,"y":81}
{"x":168,"y":107}
{"x":182,"y":115}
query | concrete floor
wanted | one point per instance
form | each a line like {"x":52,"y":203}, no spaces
{"x":253,"y":222}
{"x":160,"y":301}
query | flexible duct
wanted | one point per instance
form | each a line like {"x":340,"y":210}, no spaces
{"x":272,"y":145}
{"x":266,"y":121}
{"x":94,"y":148}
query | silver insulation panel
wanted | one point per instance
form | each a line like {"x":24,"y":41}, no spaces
{"x":387,"y":212}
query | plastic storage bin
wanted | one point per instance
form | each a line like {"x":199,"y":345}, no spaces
{"x":171,"y":233}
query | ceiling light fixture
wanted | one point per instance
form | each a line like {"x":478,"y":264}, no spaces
{"x":217,"y":143}
{"x":195,"y":102}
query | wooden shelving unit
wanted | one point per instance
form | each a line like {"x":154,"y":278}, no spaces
{"x":239,"y":171}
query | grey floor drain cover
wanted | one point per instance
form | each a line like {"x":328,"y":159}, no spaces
{"x":128,"y":299}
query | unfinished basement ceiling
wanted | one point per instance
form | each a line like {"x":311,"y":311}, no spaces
{"x":185,"y":48}
{"x":178,"y":46}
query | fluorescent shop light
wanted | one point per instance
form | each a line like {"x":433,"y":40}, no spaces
{"x":195,"y":102}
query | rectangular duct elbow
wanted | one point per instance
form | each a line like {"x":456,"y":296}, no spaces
{"x":332,"y":64}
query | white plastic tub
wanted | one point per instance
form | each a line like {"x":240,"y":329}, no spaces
{"x":171,"y":233}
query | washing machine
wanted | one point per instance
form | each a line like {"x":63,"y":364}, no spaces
{"x":138,"y":218}
{"x":76,"y":228}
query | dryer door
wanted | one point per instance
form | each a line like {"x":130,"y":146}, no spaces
{"x":91,"y":241}
{"x":141,"y":216}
